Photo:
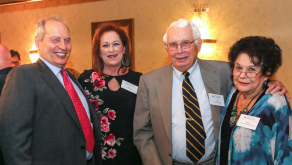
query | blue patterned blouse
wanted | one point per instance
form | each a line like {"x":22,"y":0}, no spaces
{"x":270,"y":143}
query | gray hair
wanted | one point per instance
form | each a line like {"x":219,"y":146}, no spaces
{"x":182,"y":23}
{"x":41,"y":29}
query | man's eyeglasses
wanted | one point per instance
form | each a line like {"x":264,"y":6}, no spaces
{"x":14,"y":62}
{"x":184,"y":45}
{"x":249,"y":74}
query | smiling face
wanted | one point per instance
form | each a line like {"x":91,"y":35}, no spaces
{"x":56,"y":44}
{"x":111,"y":49}
{"x":244,"y":84}
{"x":182,"y":59}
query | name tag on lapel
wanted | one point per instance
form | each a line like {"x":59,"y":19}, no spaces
{"x":216,"y":99}
{"x":247,"y":121}
{"x":129,"y":87}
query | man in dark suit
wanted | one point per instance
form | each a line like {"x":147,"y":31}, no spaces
{"x":5,"y":65}
{"x":45,"y":117}
{"x":160,"y":117}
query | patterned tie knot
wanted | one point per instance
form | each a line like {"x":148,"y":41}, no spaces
{"x":63,"y":72}
{"x":186,"y":74}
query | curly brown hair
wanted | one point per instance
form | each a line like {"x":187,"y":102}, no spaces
{"x":262,"y":51}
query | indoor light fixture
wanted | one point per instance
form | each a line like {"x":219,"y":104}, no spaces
{"x":33,"y":54}
{"x":200,"y":18}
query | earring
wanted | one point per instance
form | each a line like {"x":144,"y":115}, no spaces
{"x":126,"y":61}
{"x":100,"y":61}
{"x":265,"y":83}
{"x":101,"y":65}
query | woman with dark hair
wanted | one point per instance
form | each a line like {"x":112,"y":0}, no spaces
{"x":255,"y":128}
{"x":111,"y":88}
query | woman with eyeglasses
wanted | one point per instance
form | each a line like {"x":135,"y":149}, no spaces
{"x":255,"y":128}
{"x":111,"y":88}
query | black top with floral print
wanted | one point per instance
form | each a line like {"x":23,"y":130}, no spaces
{"x":115,"y":110}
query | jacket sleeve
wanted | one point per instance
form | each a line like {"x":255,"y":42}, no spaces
{"x":143,"y":131}
{"x":16,"y":119}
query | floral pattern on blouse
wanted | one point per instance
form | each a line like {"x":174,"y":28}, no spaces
{"x":106,"y":116}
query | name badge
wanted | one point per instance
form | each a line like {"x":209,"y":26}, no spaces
{"x":247,"y":121}
{"x":216,"y":99}
{"x":129,"y":86}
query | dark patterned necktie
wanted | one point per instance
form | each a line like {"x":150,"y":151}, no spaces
{"x":195,"y":132}
{"x":80,"y":110}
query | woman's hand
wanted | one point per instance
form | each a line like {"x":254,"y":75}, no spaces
{"x":275,"y":86}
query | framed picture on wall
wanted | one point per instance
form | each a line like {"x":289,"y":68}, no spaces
{"x":128,"y":26}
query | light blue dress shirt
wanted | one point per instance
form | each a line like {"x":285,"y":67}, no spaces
{"x":179,"y":118}
{"x":57,"y":71}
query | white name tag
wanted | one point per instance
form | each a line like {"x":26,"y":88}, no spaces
{"x":129,"y":86}
{"x":247,"y":121}
{"x":216,"y":99}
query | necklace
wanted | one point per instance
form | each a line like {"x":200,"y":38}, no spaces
{"x":234,"y":115}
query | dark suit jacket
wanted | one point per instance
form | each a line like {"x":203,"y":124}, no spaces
{"x":38,"y":122}
{"x":152,"y":119}
{"x":3,"y":74}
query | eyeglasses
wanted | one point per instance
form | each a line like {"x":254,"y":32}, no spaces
{"x":184,"y":44}
{"x":14,"y":62}
{"x":249,"y":74}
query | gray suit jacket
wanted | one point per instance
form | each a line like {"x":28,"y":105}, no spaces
{"x":152,"y":119}
{"x":38,"y":122}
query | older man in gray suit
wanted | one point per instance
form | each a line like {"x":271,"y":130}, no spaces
{"x":160,"y":126}
{"x":45,"y":117}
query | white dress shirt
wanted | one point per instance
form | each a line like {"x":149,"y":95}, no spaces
{"x":179,"y":118}
{"x":57,"y":71}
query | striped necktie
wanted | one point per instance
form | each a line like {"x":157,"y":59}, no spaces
{"x":195,"y":132}
{"x":80,"y":110}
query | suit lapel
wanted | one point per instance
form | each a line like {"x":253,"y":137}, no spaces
{"x":93,"y":116}
{"x":212,"y":85}
{"x":164,"y":94}
{"x":91,"y":109}
{"x":58,"y":89}
{"x":211,"y":80}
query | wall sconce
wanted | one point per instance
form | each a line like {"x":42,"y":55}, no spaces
{"x":200,"y":19}
{"x":33,"y":54}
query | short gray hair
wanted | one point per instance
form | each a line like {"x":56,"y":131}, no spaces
{"x":41,"y":29}
{"x":182,"y":23}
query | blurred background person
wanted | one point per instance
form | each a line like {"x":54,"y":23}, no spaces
{"x":5,"y":65}
{"x":15,"y":58}
{"x":253,"y":60}
{"x":112,"y":87}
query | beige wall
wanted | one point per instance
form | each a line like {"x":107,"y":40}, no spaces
{"x":229,"y":21}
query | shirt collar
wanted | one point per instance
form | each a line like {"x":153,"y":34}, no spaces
{"x":192,"y":70}
{"x":54,"y":68}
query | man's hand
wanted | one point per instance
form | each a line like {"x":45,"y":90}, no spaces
{"x":275,"y":86}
